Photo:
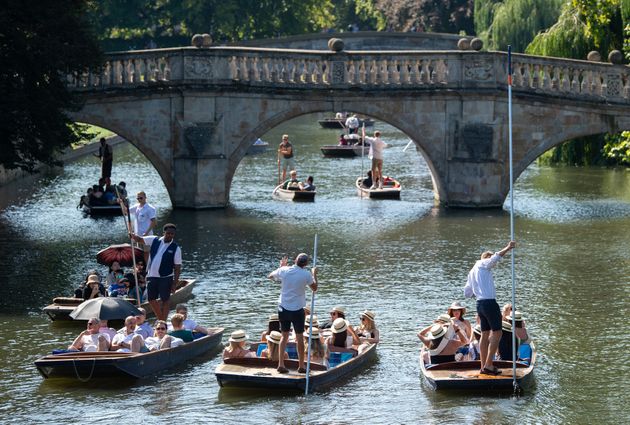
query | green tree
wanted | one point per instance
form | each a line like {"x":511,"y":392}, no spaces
{"x":41,"y":43}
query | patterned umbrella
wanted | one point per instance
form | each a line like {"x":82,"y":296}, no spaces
{"x":120,"y":253}
{"x":104,"y":308}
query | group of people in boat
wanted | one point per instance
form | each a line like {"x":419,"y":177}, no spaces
{"x":451,"y":337}
{"x":137,"y":335}
{"x":117,"y":283}
{"x":103,"y":194}
{"x":293,"y":183}
{"x":333,"y":335}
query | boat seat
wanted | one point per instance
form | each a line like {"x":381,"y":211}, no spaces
{"x":525,"y":353}
{"x":336,"y":358}
{"x":291,"y":350}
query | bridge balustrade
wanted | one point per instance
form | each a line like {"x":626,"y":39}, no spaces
{"x":368,"y":70}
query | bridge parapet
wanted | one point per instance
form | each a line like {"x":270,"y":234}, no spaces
{"x":375,"y":70}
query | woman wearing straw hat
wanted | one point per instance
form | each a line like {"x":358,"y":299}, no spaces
{"x":480,"y":284}
{"x":318,"y":348}
{"x":342,"y":335}
{"x":367,"y":330}
{"x":440,"y":348}
{"x":272,"y":325}
{"x":272,"y":352}
{"x":237,"y":348}
{"x":456,"y":311}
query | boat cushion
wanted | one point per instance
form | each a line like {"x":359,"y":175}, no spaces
{"x":525,"y":353}
{"x":336,"y":358}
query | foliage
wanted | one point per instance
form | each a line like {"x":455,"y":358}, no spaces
{"x":484,"y":15}
{"x":40,"y":43}
{"x":617,"y":147}
{"x":448,"y":16}
{"x":580,"y":151}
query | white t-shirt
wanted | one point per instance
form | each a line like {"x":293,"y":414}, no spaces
{"x":480,"y":281}
{"x":376,"y":147}
{"x":352,"y":122}
{"x":153,"y":342}
{"x":153,"y":269}
{"x":142,"y":218}
{"x":294,"y":280}
{"x":90,"y":342}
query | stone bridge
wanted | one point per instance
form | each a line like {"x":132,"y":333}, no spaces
{"x":193,"y":112}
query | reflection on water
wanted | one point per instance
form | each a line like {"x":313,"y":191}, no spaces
{"x":406,"y":260}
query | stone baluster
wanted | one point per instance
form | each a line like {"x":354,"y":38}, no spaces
{"x":546,"y":78}
{"x":555,"y":79}
{"x":351,"y":72}
{"x":233,"y":68}
{"x":404,"y":72}
{"x":394,"y":71}
{"x":266,"y":72}
{"x":146,"y":70}
{"x":574,"y":80}
{"x":626,"y":86}
{"x":124,"y":74}
{"x":356,"y":69}
{"x":251,"y":71}
{"x":301,"y":72}
{"x":363,"y":72}
{"x":426,"y":71}
{"x":565,"y":81}
{"x":596,"y":84}
{"x":586,"y":82}
{"x":433,"y":73}
{"x":527,"y":76}
{"x":131,"y":64}
{"x":536,"y":77}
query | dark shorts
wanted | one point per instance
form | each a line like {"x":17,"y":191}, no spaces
{"x":288,"y":317}
{"x":159,"y":287}
{"x":489,"y":315}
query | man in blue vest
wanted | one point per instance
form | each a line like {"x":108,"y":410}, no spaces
{"x":163,"y":268}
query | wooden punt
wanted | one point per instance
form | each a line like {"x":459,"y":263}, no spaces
{"x":261,"y":373}
{"x":108,"y":364}
{"x":390,"y":190}
{"x":61,"y":307}
{"x":294,"y":195}
{"x":341,"y":122}
{"x":466,"y":375}
{"x":102,"y":210}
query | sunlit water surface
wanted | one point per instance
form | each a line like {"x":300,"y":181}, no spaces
{"x":404,"y":259}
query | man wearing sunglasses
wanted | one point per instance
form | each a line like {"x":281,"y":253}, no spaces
{"x":144,"y":215}
{"x":91,"y":339}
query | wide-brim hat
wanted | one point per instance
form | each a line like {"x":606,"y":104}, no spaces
{"x":93,"y":279}
{"x":274,"y":317}
{"x":274,"y":337}
{"x":437,"y":331}
{"x":339,"y":325}
{"x":238,"y":336}
{"x":456,"y":305}
{"x":477,"y":329}
{"x":443,"y":318}
{"x":315,"y":332}
{"x":307,"y":320}
{"x":518,"y":316}
{"x":338,"y":309}
{"x":506,"y":326}
{"x":369,"y":314}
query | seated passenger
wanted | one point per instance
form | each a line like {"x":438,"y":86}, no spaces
{"x":189,"y":324}
{"x":177,"y":322}
{"x":367,"y":331}
{"x":473,"y":352}
{"x":142,"y":326}
{"x":126,"y":340}
{"x":335,"y":313}
{"x":105,"y":329}
{"x":456,"y":312}
{"x":141,"y":273}
{"x":85,"y":199}
{"x":506,"y":311}
{"x":342,"y":140}
{"x":292,"y":183}
{"x":521,"y":332}
{"x":440,"y":348}
{"x":505,"y":343}
{"x":272,"y":325}
{"x":122,"y":190}
{"x":307,"y":321}
{"x":114,"y":274}
{"x":272,"y":352}
{"x":93,"y":288}
{"x":160,"y":339}
{"x":342,"y":335}
{"x":308,"y":185}
{"x":367,"y":182}
{"x":319,"y":352}
{"x":237,"y":349}
{"x":91,"y":339}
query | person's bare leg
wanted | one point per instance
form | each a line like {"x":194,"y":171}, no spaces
{"x":495,"y":337}
{"x":299,"y":339}
{"x":136,"y":344}
{"x":165,"y":308}
{"x":283,"y":347}
{"x":103,"y":345}
{"x":166,"y":342}
{"x":483,"y":347}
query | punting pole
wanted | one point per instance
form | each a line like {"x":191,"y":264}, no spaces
{"x":408,"y":144}
{"x":363,"y":155}
{"x":509,"y":81}
{"x":310,"y":327}
{"x":133,"y":249}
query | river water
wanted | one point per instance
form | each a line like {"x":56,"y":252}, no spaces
{"x":406,"y":260}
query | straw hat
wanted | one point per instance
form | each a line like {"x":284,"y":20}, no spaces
{"x":507,"y":326}
{"x":274,"y":337}
{"x":477,"y":329}
{"x":456,"y":305}
{"x":339,"y":325}
{"x":518,"y":316}
{"x":443,"y":318}
{"x":369,"y":314}
{"x":338,"y":309}
{"x":437,"y":331}
{"x":315,"y":333}
{"x":238,"y":336}
{"x":93,"y":279}
{"x":274,"y":317}
{"x":307,"y":320}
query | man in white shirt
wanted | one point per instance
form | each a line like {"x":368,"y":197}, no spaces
{"x":293,"y":281}
{"x":376,"y":155}
{"x":91,"y":339}
{"x":480,"y":284}
{"x":163,"y":269}
{"x":144,"y":215}
{"x":352,"y":123}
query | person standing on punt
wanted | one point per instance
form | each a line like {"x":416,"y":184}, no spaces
{"x":480,"y":284}
{"x":144,"y":215}
{"x":285,"y":156}
{"x":293,"y":280}
{"x":163,"y":269}
{"x":376,"y":154}
{"x":106,"y":155}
